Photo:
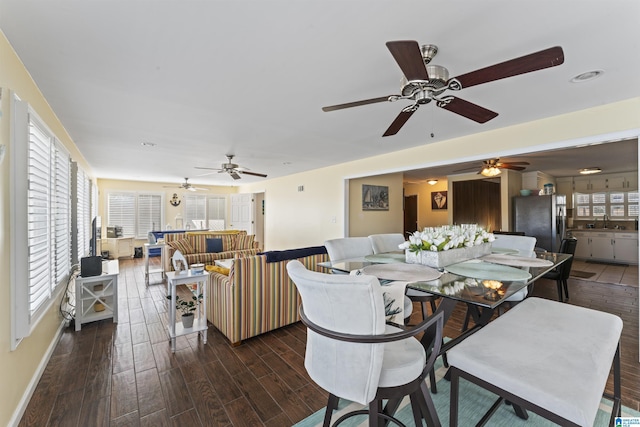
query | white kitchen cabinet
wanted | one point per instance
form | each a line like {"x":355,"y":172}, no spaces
{"x":607,"y":246}
{"x":601,"y":245}
{"x":625,"y":181}
{"x":583,"y":249}
{"x":118,"y":247}
{"x":565,"y":186}
{"x":625,"y":248}
{"x":584,"y":184}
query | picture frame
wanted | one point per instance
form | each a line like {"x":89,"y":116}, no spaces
{"x":375,"y":197}
{"x":439,"y":200}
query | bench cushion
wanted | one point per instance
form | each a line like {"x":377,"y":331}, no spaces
{"x":554,"y":355}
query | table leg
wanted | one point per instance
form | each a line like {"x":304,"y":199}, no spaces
{"x":172,"y":316}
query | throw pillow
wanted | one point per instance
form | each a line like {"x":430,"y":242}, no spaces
{"x":214,"y":245}
{"x":217,"y":269}
{"x":244,"y":241}
{"x":182,"y":245}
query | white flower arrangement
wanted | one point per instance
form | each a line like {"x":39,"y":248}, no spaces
{"x":437,"y":239}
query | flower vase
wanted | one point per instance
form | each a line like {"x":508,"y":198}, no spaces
{"x":187,"y":320}
{"x":443,"y":258}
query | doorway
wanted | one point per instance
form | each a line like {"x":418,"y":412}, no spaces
{"x":410,"y":214}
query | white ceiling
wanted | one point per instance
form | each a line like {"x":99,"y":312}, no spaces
{"x":204,"y":78}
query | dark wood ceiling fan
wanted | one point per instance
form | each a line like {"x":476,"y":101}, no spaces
{"x":424,"y":83}
{"x":489,"y":167}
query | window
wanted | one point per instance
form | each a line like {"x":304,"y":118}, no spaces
{"x":205,"y":212}
{"x":40,"y":220}
{"x":616,"y":205}
{"x":81,"y":191}
{"x":136,"y":213}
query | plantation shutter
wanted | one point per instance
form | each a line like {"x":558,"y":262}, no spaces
{"x":121,"y":211}
{"x":217,"y":212}
{"x":195,"y":211}
{"x":39,"y":239}
{"x":149,"y":214}
{"x":61,"y":212}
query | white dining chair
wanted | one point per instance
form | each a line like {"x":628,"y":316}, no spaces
{"x":525,"y":246}
{"x":387,"y":242}
{"x":357,"y":247}
{"x":352,"y":354}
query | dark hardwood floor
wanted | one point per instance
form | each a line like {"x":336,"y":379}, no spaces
{"x":124,"y":374}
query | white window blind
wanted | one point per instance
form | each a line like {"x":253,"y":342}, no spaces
{"x":195,"y":207}
{"x":121,"y":211}
{"x":136,"y":213}
{"x":40,"y":220}
{"x":205,"y":212}
{"x":149,"y":214}
{"x":61,"y":212}
{"x":83,"y":207}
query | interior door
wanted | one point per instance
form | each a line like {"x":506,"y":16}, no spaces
{"x":410,"y":214}
{"x":242,"y":212}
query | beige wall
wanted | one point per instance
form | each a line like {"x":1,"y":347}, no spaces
{"x":18,"y":369}
{"x":363,"y":223}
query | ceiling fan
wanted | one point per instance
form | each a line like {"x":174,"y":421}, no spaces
{"x":492,"y":167}
{"x":232,"y":169}
{"x":186,"y":186}
{"x":423,"y":83}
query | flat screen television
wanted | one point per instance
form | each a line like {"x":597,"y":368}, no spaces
{"x":96,"y":231}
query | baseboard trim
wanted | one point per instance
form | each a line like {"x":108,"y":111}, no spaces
{"x":31,"y":388}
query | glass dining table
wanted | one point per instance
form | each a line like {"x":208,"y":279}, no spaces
{"x":483,"y":286}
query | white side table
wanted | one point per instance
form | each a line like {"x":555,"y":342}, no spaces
{"x":97,"y":296}
{"x":147,"y":270}
{"x":200,"y":320}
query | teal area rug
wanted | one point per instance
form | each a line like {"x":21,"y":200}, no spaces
{"x":474,"y":403}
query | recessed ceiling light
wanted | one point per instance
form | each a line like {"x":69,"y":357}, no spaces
{"x":589,"y":75}
{"x":589,"y":171}
{"x":148,"y":144}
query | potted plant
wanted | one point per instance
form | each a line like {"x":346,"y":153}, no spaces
{"x":187,"y":308}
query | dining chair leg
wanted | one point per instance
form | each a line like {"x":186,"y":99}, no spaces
{"x":559,"y":285}
{"x":566,"y":288}
{"x":332,"y":405}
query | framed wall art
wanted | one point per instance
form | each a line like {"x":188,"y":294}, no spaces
{"x":438,"y":200}
{"x":375,"y":198}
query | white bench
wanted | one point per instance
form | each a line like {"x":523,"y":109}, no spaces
{"x":549,"y":357}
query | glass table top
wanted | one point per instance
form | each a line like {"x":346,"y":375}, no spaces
{"x":488,"y":287}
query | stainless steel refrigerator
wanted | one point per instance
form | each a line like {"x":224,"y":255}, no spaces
{"x":543,"y":217}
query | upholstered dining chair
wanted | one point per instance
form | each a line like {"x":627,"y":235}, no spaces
{"x":389,"y":242}
{"x":525,"y":246}
{"x":561,"y":274}
{"x":354,"y":355}
{"x":356,"y":247}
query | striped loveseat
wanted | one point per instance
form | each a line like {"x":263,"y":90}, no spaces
{"x":257,"y":296}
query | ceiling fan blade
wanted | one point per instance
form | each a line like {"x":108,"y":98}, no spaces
{"x":514,"y":163}
{"x":234,"y":175}
{"x":402,"y":118}
{"x":466,"y":109}
{"x":356,"y":103}
{"x":253,"y":173}
{"x":511,"y":166}
{"x":210,"y":169}
{"x":409,"y":57}
{"x":525,"y":64}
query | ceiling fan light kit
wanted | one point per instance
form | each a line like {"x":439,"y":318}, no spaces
{"x":589,"y":171}
{"x":490,"y":171}
{"x":423,"y":82}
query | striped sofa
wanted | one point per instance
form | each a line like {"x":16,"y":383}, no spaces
{"x":193,"y":245}
{"x":257,"y":296}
